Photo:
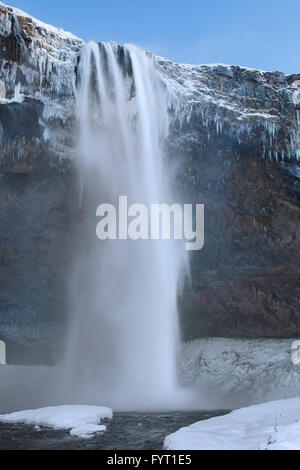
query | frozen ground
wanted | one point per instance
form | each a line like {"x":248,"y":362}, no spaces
{"x":82,"y":421}
{"x":269,"y":426}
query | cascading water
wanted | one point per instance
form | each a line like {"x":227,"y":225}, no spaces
{"x":123,"y":342}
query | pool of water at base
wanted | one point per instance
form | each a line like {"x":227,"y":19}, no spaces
{"x":127,"y":431}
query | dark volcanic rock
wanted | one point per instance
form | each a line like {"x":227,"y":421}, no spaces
{"x":245,"y":282}
{"x":235,"y":139}
{"x":39,"y":211}
{"x":22,"y":119}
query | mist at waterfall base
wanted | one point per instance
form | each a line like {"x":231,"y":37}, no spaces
{"x":124,"y":336}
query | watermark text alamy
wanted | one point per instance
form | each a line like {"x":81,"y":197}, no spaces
{"x":156,"y":222}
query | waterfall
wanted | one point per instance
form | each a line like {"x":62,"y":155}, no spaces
{"x":124,"y":336}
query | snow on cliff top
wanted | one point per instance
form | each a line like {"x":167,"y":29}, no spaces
{"x":58,"y":31}
{"x":68,"y":35}
{"x":229,"y":67}
{"x":82,"y":421}
{"x":269,"y":426}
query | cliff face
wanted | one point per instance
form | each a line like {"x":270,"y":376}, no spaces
{"x":235,"y":135}
{"x":235,"y":138}
{"x":38,"y":192}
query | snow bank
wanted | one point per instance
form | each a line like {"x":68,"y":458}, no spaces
{"x":82,"y":421}
{"x":269,"y":426}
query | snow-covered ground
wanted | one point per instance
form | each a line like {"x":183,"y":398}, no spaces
{"x":82,"y":421}
{"x":240,"y":372}
{"x":269,"y":426}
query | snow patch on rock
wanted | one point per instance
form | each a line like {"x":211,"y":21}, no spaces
{"x":58,"y":31}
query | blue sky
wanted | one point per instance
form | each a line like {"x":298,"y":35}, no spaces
{"x":263,"y":34}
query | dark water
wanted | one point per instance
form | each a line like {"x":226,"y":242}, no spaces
{"x":127,"y":431}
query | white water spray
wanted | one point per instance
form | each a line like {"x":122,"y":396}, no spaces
{"x":123,"y":343}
